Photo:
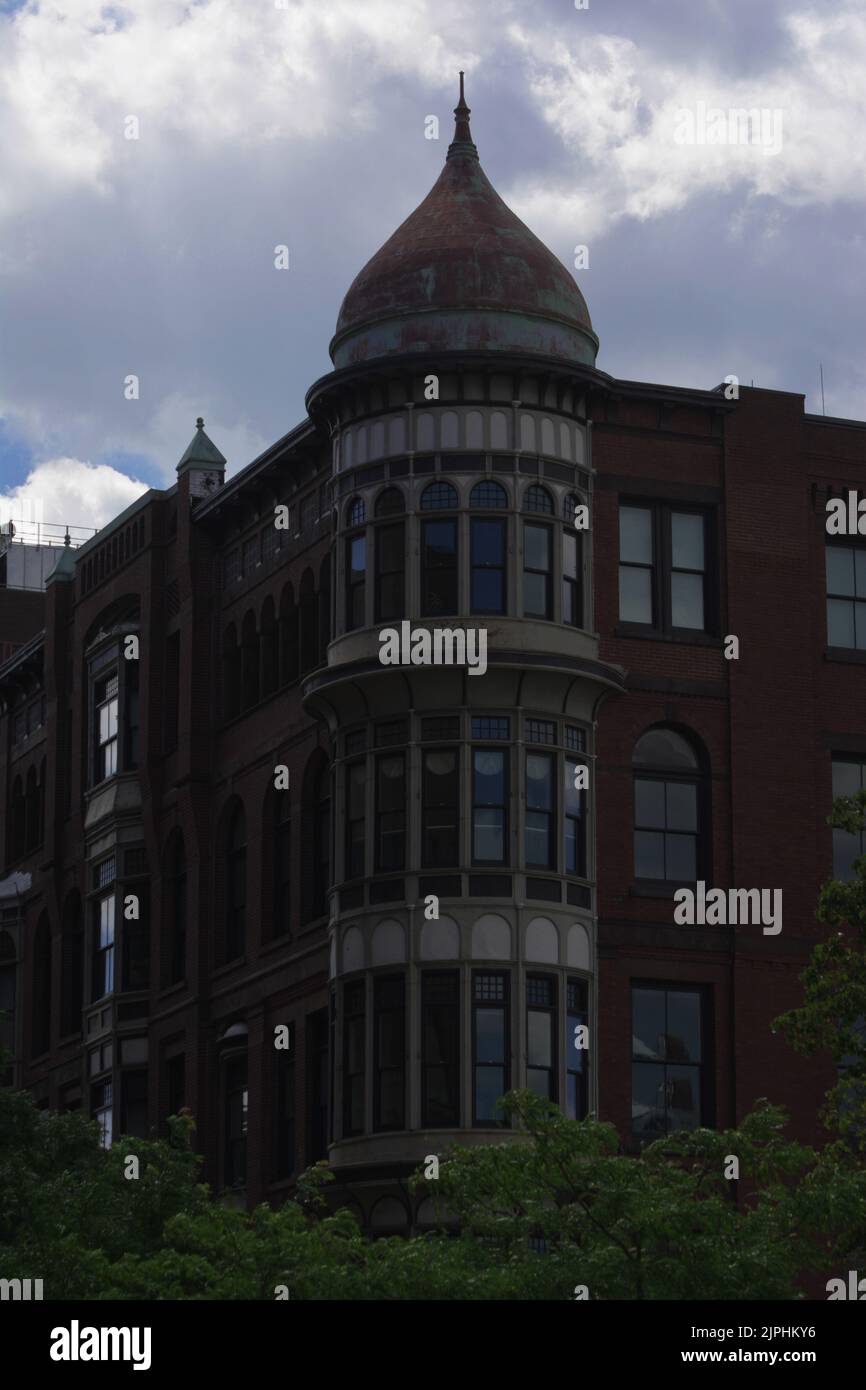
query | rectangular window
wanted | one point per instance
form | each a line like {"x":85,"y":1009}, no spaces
{"x":284,"y":1118}
{"x":438,"y":568}
{"x":487,"y":561}
{"x":848,"y":845}
{"x":540,"y":1035}
{"x":846,"y":596}
{"x":540,"y":798}
{"x":133,"y":1104}
{"x":389,"y":1032}
{"x":490,"y":1047}
{"x":440,"y":1048}
{"x":485,"y":727}
{"x":489,"y":806}
{"x":667,"y":1060}
{"x":575,"y":1054}
{"x":390,"y":571}
{"x":102,"y":1111}
{"x":439,"y":728}
{"x":537,"y":587}
{"x":103,"y":956}
{"x":235,"y":1131}
{"x":666,"y":829}
{"x":390,"y":812}
{"x":106,"y":699}
{"x":353,"y":1057}
{"x":575,"y":821}
{"x":356,"y":575}
{"x":663,"y":567}
{"x":540,"y":731}
{"x":136,"y":939}
{"x":572,"y":601}
{"x":356,"y":796}
{"x":390,"y":735}
{"x":440,"y":808}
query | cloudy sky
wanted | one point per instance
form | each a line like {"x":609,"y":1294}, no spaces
{"x":302,"y":122}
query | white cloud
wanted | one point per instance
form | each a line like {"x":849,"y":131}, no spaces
{"x":70,"y":492}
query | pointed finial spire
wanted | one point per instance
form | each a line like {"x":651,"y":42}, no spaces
{"x":199,"y":424}
{"x":66,"y":539}
{"x":462,"y":144}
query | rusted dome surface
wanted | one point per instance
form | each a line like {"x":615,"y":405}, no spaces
{"x":462,"y":273}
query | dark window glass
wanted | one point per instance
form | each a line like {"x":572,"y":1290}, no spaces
{"x":487,"y":559}
{"x":489,"y":806}
{"x":284,"y":1118}
{"x":356,"y":784}
{"x":687,"y":570}
{"x":235,"y":1135}
{"x":390,"y":571}
{"x":133,"y":1104}
{"x":539,"y":811}
{"x":575,"y":739}
{"x":663,"y":567}
{"x":540,"y":731}
{"x":353,"y":1057}
{"x":389,"y":735}
{"x":540,"y":1036}
{"x":490,"y":1049}
{"x":356,"y":574}
{"x":440,"y":1047}
{"x":848,"y":845}
{"x":538,"y":499}
{"x":575,"y":1073}
{"x":488,"y":494}
{"x":103,"y":973}
{"x":667,"y":834}
{"x":390,"y":502}
{"x":440,"y":808}
{"x":438,"y":496}
{"x":390,"y":812}
{"x":107,"y":705}
{"x":846,"y":596}
{"x":575,"y":821}
{"x":667,"y":1060}
{"x":572,"y":603}
{"x":439,"y":727}
{"x":438,"y":568}
{"x":356,"y":512}
{"x":389,"y":1028}
{"x":485,"y":726}
{"x":536,"y":571}
{"x":636,"y":561}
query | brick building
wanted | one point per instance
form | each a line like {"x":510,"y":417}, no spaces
{"x":167,"y":902}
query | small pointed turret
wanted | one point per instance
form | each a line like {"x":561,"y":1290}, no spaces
{"x":462,"y":145}
{"x":204,"y":463}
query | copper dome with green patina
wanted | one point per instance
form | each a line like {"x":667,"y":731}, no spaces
{"x":463,"y":273}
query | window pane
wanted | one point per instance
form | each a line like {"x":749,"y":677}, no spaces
{"x":539,"y":1041}
{"x":569,"y":555}
{"x":846,"y":848}
{"x":488,"y":835}
{"x":840,"y":622}
{"x":488,"y":542}
{"x":683,"y":1098}
{"x":536,"y":547}
{"x":687,"y":541}
{"x":635,"y":535}
{"x":682,"y":806}
{"x":490,"y":1035}
{"x":649,"y":854}
{"x":840,"y":570}
{"x":535,"y":603}
{"x":488,"y":591}
{"x":539,"y":782}
{"x":860,"y":572}
{"x":635,"y":595}
{"x":684,"y":1026}
{"x":847,"y":778}
{"x":439,"y":543}
{"x":649,"y":804}
{"x":687,"y":600}
{"x":663,"y":748}
{"x":648,"y":1023}
{"x":860,"y":625}
{"x":489,"y":777}
{"x":681,"y":857}
{"x":489,"y":1087}
{"x":648,"y":1100}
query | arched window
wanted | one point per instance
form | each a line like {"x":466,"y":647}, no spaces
{"x":356,"y":512}
{"x":356,"y":580}
{"x":236,"y":883}
{"x":309,"y":622}
{"x":390,"y":502}
{"x":439,"y":496}
{"x":268,"y":648}
{"x":71,"y":966}
{"x":572,"y":572}
{"x":538,"y":499}
{"x":41,"y":995}
{"x":231,"y":673}
{"x":390,"y":558}
{"x":8,"y":989}
{"x":249,"y":662}
{"x":288,"y":637}
{"x":174,"y":906}
{"x":488,"y":494}
{"x":670,"y":839}
{"x":570,"y":503}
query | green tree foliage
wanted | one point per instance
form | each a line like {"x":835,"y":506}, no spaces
{"x":833,"y":1015}
{"x":660,"y":1225}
